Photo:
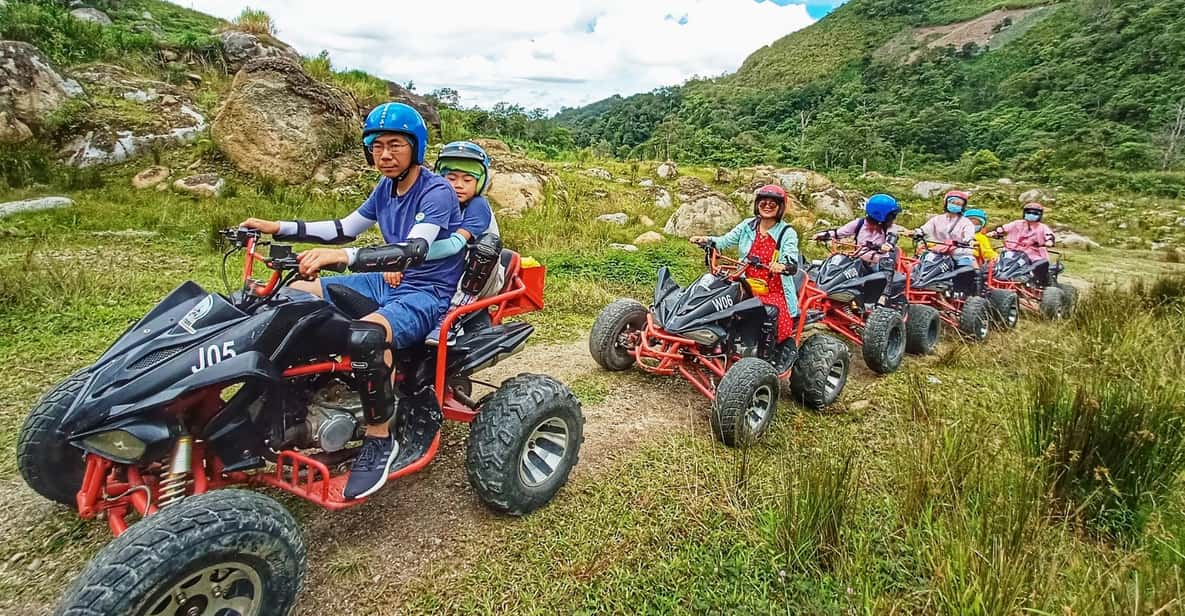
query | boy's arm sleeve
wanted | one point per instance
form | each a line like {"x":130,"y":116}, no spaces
{"x":447,"y":247}
{"x":848,"y":230}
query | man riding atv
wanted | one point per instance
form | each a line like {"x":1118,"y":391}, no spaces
{"x":413,"y":208}
{"x":772,"y":246}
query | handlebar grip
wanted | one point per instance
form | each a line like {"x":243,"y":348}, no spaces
{"x":336,"y":267}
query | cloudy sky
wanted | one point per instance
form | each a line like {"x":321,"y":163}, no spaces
{"x":532,"y":52}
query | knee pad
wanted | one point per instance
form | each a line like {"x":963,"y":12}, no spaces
{"x":372,"y":375}
{"x":368,"y":343}
{"x":483,"y":258}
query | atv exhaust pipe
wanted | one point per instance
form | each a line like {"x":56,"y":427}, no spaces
{"x":175,"y":480}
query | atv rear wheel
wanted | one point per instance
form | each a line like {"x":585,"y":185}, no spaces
{"x":922,"y":328}
{"x":607,"y":342}
{"x":821,"y":371}
{"x":48,"y":463}
{"x":746,"y":400}
{"x":1005,"y":308}
{"x":1071,"y":293}
{"x":524,"y":443}
{"x":1053,"y":304}
{"x":884,"y":340}
{"x":975,"y":318}
{"x":222,"y":552}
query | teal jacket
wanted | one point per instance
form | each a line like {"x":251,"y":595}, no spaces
{"x":743,"y":235}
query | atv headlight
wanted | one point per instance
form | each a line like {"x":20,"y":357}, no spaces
{"x":705,"y":337}
{"x":118,"y":445}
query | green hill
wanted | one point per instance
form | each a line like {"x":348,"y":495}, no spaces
{"x":1001,"y":87}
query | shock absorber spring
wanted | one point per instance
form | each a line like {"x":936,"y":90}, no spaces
{"x":176,"y":478}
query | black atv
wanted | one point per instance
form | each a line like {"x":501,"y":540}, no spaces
{"x":1014,"y":271}
{"x":254,"y":388}
{"x":715,"y":333}
{"x":848,"y":302}
{"x":958,"y":292}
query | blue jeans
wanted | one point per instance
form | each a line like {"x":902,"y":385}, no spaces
{"x":412,"y":313}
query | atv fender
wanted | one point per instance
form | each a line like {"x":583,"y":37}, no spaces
{"x":249,"y":367}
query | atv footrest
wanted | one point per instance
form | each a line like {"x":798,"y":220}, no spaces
{"x":312,"y":480}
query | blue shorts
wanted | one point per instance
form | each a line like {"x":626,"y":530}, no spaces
{"x":412,"y":313}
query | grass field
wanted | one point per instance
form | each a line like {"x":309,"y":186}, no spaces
{"x":1038,"y":473}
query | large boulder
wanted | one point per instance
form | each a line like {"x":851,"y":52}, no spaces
{"x":1070,"y":239}
{"x":150,"y":177}
{"x":667,"y":170}
{"x":834,"y":203}
{"x":94,"y":16}
{"x":401,"y":94}
{"x":239,"y":48}
{"x":802,"y":180}
{"x":128,"y":116}
{"x":30,"y":91}
{"x":599,"y":173}
{"x":278,"y":122}
{"x":662,"y":198}
{"x":649,"y":237}
{"x":927,"y":189}
{"x":709,"y":215}
{"x":515,"y":191}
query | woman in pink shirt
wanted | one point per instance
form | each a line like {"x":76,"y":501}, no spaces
{"x":1032,"y":237}
{"x":951,"y":226}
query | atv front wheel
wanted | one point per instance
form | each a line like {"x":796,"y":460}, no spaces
{"x":608,"y":342}
{"x":821,"y":371}
{"x":48,"y":463}
{"x":922,"y":328}
{"x":524,"y":443}
{"x":222,"y":552}
{"x":746,"y":400}
{"x":974,"y":320}
{"x":884,"y":340}
{"x":1053,"y":304}
{"x":1005,"y":308}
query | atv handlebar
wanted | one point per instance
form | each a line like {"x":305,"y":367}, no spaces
{"x":281,"y":260}
{"x":719,"y":263}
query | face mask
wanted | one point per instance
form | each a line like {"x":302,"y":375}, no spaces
{"x":1032,"y":217}
{"x":954,"y":209}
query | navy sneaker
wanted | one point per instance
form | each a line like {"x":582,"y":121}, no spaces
{"x":454,"y":331}
{"x":371,"y":467}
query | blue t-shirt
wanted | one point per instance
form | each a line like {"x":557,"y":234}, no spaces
{"x":477,"y":217}
{"x":430,"y":200}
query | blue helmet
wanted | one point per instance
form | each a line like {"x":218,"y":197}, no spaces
{"x":979,"y":215}
{"x":466,"y":151}
{"x":396,"y":118}
{"x":881,"y":208}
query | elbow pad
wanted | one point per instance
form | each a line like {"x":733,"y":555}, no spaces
{"x":302,"y":235}
{"x":392,"y":257}
{"x":483,"y":257}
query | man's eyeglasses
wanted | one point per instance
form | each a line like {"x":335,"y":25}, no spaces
{"x":394,"y":147}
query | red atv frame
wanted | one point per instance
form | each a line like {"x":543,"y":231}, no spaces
{"x":970,"y":315}
{"x":882,"y":333}
{"x":114,"y":491}
{"x":626,"y":334}
{"x":1053,"y":302}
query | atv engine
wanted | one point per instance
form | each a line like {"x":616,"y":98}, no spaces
{"x":334,"y":419}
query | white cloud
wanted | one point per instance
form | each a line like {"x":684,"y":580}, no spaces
{"x":536,"y":54}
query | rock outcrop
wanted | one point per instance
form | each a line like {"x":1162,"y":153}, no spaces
{"x":30,"y":91}
{"x":427,"y":110}
{"x":33,"y":205}
{"x":129,"y":116}
{"x":928,"y":189}
{"x":277,"y":122}
{"x":239,"y":48}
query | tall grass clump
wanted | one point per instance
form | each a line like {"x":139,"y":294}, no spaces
{"x":254,"y":21}
{"x":1106,"y":430}
{"x":809,"y":522}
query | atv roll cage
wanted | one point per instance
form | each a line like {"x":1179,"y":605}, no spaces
{"x":948,"y":307}
{"x":843,"y":318}
{"x":1027,"y":289}
{"x":115,"y":491}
